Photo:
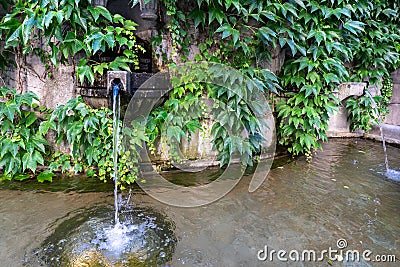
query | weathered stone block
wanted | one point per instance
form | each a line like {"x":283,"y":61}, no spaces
{"x":59,"y":90}
{"x":396,"y":94}
{"x":396,"y":76}
{"x":338,"y":122}
{"x":391,"y":133}
{"x":349,"y":89}
{"x":338,"y":125}
{"x":393,"y":117}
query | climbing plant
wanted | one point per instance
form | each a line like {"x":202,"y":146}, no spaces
{"x":85,"y":133}
{"x":325,"y":43}
{"x":365,"y":111}
{"x":67,"y":30}
{"x":387,"y":90}
{"x":22,"y":144}
{"x":322,"y":43}
{"x":237,"y":50}
{"x":89,"y":134}
{"x":231,"y":98}
{"x":375,"y":48}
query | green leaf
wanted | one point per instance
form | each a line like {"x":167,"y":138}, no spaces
{"x":300,"y":3}
{"x":54,"y":54}
{"x":83,"y":109}
{"x":5,"y":146}
{"x":354,"y":26}
{"x":217,"y":14}
{"x":30,"y":119}
{"x":84,"y":72}
{"x":226,"y":30}
{"x":27,"y":25}
{"x":175,"y":132}
{"x":74,"y":131}
{"x":60,"y":16}
{"x":10,"y":109}
{"x":292,"y":46}
{"x":90,"y":173}
{"x":198,"y":16}
{"x":109,"y":38}
{"x":47,"y":19}
{"x":45,"y":126}
{"x":331,"y":77}
{"x":37,"y":156}
{"x":95,"y":12}
{"x":346,"y":12}
{"x":235,"y":36}
{"x":21,"y":177}
{"x":267,"y":33}
{"x":13,"y":40}
{"x":45,"y":176}
{"x":90,"y":122}
{"x":268,"y":14}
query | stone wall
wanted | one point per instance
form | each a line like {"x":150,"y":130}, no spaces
{"x":339,"y":126}
{"x":61,"y":86}
{"x":394,"y":107}
{"x":33,"y":76}
{"x":391,"y":124}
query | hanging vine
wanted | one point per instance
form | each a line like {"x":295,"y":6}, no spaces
{"x":326,"y":43}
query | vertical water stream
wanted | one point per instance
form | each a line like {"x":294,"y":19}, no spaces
{"x":116,"y":119}
{"x":380,"y":128}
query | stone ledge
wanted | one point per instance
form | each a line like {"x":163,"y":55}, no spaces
{"x":339,"y":134}
{"x":394,"y":115}
{"x":390,"y":132}
{"x":349,"y":89}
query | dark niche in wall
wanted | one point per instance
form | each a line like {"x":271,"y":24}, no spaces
{"x":97,"y":94}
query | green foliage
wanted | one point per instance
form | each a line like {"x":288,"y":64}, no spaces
{"x":202,"y":89}
{"x":374,"y":48}
{"x":177,"y":119}
{"x":86,"y":131}
{"x":314,"y":70}
{"x":22,"y":146}
{"x":387,"y":90}
{"x":89,"y":133}
{"x":238,"y":49}
{"x":326,"y":42}
{"x":365,"y":112}
{"x":58,"y":30}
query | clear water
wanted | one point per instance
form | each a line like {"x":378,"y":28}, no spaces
{"x":342,"y":194}
{"x":378,"y":116}
{"x":143,"y":237}
{"x":116,"y":133}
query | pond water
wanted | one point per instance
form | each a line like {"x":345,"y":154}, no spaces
{"x":342,"y":194}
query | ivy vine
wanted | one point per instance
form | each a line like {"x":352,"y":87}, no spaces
{"x":325,"y":43}
{"x":61,"y":31}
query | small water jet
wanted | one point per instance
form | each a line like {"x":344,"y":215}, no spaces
{"x":390,"y":173}
{"x":134,"y":237}
{"x":116,"y":121}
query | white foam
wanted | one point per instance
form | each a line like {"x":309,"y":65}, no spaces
{"x":393,"y":175}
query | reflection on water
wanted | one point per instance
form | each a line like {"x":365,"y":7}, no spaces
{"x":342,"y":194}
